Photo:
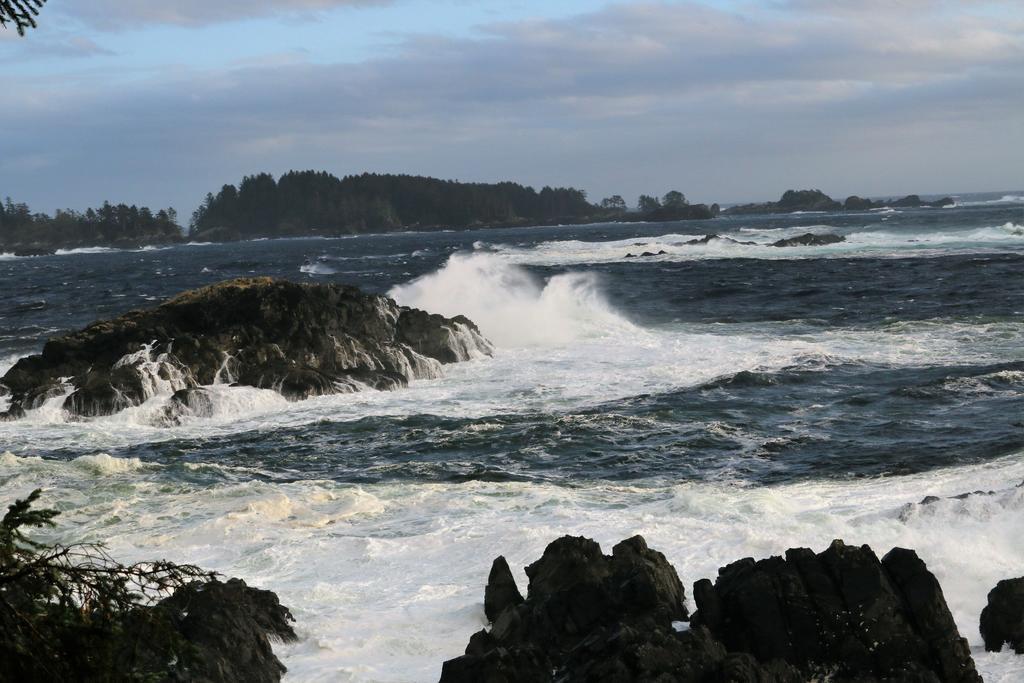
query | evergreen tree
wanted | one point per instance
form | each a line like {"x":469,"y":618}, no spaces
{"x":21,"y":13}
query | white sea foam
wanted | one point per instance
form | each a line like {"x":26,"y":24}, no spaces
{"x":867,"y":241}
{"x":317,"y":268}
{"x":512,"y":307}
{"x":1005,"y":199}
{"x":104,"y":464}
{"x":86,"y":250}
{"x":386,"y":581}
{"x":560,"y":346}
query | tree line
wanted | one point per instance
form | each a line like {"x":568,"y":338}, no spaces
{"x":116,"y":225}
{"x":303,"y":203}
{"x":319,"y":203}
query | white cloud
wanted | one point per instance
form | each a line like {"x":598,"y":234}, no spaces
{"x":638,"y":97}
{"x":119,"y":14}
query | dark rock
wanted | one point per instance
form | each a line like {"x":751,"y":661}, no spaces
{"x":523,"y":664}
{"x":501,"y":592}
{"x":227,"y":629}
{"x":1002,"y":620}
{"x":630,"y":255}
{"x":712,"y":237}
{"x":839,"y":611}
{"x":909,"y":202}
{"x":840,"y":615}
{"x":590,"y":617}
{"x":301,"y":340}
{"x":810,"y":239}
{"x":192,"y":402}
{"x":791,"y":200}
{"x":855,"y":203}
{"x":680,"y":212}
{"x":34,"y":251}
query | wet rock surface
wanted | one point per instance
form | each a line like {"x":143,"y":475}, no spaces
{"x":212,"y":632}
{"x":810,"y":239}
{"x":841,"y":613}
{"x":301,"y":340}
{"x":1002,"y":620}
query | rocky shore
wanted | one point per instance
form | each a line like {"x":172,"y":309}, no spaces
{"x":301,"y":340}
{"x":841,"y":615}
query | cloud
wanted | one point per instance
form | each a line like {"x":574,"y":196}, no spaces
{"x":118,"y":14}
{"x":634,"y":98}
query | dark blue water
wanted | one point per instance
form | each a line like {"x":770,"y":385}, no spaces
{"x":932,"y":301}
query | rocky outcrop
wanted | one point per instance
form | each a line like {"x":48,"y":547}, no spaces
{"x":1002,"y":620}
{"x":681,"y":212}
{"x":211,"y":632}
{"x":855,"y":203}
{"x":841,"y":614}
{"x":816,"y":200}
{"x":911,"y":201}
{"x":810,"y":239}
{"x":301,"y":340}
{"x":791,"y":200}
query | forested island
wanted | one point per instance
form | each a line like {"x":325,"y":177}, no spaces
{"x":318,"y":203}
{"x":816,"y":200}
{"x":25,"y":233}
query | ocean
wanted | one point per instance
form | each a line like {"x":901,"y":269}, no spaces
{"x":722,"y":399}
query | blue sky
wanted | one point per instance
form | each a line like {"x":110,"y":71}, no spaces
{"x":160,"y":101}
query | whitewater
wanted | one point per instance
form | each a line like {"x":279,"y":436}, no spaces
{"x":723,"y":400}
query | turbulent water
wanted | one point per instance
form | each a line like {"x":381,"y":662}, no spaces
{"x":723,"y":400}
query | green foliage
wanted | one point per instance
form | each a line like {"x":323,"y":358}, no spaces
{"x":110,"y":225}
{"x":646,"y":203}
{"x":674,"y":199}
{"x":614,"y":203}
{"x":70,"y":612}
{"x":21,"y":13}
{"x":318,"y":203}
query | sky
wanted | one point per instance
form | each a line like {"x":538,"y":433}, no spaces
{"x":157,"y":102}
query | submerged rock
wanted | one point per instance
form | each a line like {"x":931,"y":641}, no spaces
{"x":301,"y":340}
{"x":840,"y":614}
{"x":1002,"y":620}
{"x":810,"y":239}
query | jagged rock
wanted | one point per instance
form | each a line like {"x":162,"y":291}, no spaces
{"x":840,"y":612}
{"x":591,"y":617}
{"x":501,"y":592}
{"x":840,"y":615}
{"x":1002,"y":620}
{"x":227,"y":629}
{"x":810,"y":239}
{"x":301,"y":340}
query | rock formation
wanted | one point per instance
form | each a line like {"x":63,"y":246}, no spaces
{"x":1002,"y":620}
{"x":790,"y":201}
{"x":841,"y":614}
{"x":301,"y":340}
{"x":816,"y":200}
{"x":809,"y":239}
{"x":227,"y":627}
